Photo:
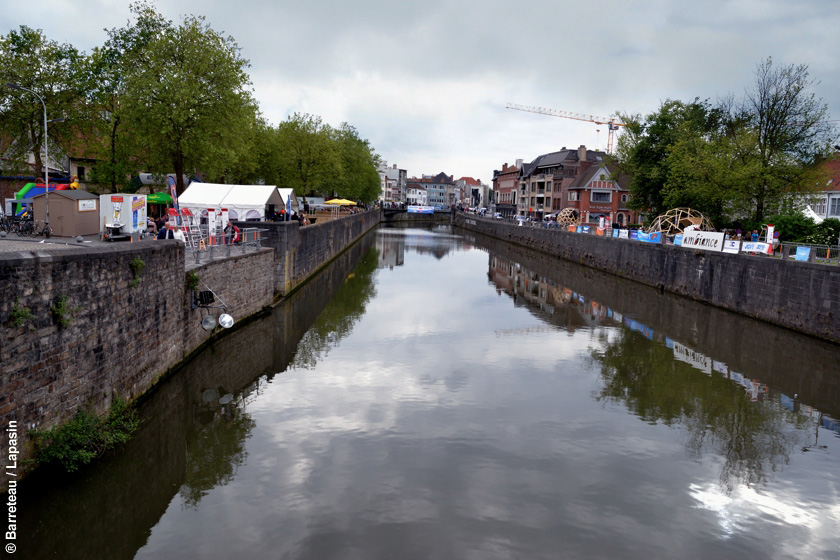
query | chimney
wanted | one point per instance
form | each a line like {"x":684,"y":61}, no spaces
{"x":519,"y":163}
{"x":504,"y":168}
{"x":582,"y":153}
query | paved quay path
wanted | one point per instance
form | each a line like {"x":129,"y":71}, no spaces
{"x":11,"y":243}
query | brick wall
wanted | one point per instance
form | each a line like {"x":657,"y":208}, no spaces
{"x":797,"y":295}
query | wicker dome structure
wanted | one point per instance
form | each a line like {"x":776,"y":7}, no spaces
{"x":676,"y":220}
{"x":568,"y":217}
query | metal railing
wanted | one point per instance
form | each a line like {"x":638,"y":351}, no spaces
{"x":221,"y":247}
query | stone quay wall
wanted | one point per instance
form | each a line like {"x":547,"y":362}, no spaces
{"x":121,"y":340}
{"x":301,"y":251}
{"x":801,"y":296}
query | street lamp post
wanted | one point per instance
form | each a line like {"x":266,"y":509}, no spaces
{"x":46,"y":153}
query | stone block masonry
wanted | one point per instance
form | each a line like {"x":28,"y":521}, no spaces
{"x":301,"y":251}
{"x":797,"y":295}
{"x":120,"y":339}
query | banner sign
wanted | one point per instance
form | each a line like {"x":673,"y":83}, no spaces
{"x":803,"y":253}
{"x":615,"y":233}
{"x":572,"y":229}
{"x":211,"y":224}
{"x":634,"y":234}
{"x":623,"y":234}
{"x":731,"y":246}
{"x":86,"y":205}
{"x":421,"y":209}
{"x":754,"y":247}
{"x":705,"y":240}
{"x":650,"y":237}
{"x":678,"y":239}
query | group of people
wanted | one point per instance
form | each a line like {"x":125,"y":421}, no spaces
{"x":168,"y":230}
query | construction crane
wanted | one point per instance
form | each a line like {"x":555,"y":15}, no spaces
{"x":612,"y":123}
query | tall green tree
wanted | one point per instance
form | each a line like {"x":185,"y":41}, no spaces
{"x":107,"y":136}
{"x":188,"y":101}
{"x":642,"y":150}
{"x":306,"y":158}
{"x":52,"y":71}
{"x":359,"y":178}
{"x":779,"y":134}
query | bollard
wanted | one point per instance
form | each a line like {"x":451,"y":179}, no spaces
{"x":785,"y":252}
{"x":227,"y":250}
{"x":812,"y":255}
{"x":197,"y":256}
{"x":210,"y":256}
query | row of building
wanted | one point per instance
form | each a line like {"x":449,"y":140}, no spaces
{"x":569,"y":178}
{"x":441,"y":190}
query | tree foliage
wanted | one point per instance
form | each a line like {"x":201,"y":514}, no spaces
{"x":52,"y":71}
{"x":643,"y":152}
{"x":108,"y":137}
{"x":735,"y":160}
{"x":165,"y":97}
{"x":187,"y":101}
{"x":309,"y":156}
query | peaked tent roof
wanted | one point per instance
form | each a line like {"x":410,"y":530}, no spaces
{"x":245,"y":200}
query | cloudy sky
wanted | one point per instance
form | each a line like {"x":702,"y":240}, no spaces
{"x":427,"y":83}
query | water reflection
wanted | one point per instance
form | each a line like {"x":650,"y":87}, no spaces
{"x":216,"y":448}
{"x":735,"y":415}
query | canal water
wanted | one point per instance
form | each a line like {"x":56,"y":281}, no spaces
{"x":437,"y":395}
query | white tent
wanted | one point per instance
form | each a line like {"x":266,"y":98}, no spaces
{"x":286,"y":194}
{"x":243,"y":202}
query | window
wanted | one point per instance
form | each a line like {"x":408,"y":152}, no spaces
{"x":80,"y":173}
{"x":624,"y":198}
{"x":573,"y":196}
{"x":601,"y":197}
{"x":835,"y":207}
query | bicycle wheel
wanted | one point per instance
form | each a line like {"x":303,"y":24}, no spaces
{"x":36,"y":229}
{"x":47,"y":231}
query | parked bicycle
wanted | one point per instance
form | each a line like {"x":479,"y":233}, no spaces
{"x":40,"y":228}
{"x":24,"y":227}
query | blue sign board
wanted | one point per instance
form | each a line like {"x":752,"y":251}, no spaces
{"x":802,"y":253}
{"x":650,"y":237}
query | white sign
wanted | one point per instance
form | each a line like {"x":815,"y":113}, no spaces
{"x":623,"y":234}
{"x":705,"y":240}
{"x":87,"y":205}
{"x":755,"y":247}
{"x":731,"y":246}
{"x":211,"y":223}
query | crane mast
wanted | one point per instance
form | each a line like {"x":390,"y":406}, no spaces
{"x":612,"y":123}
